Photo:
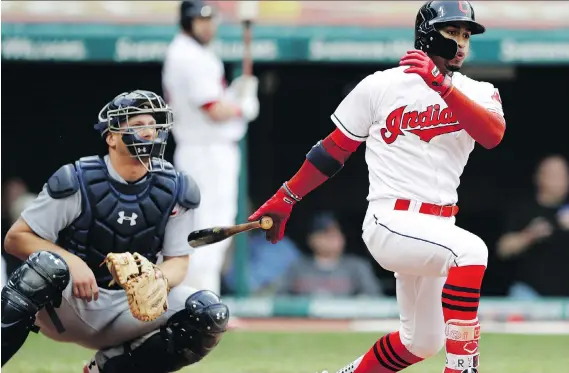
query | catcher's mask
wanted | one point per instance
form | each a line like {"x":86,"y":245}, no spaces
{"x":432,"y":16}
{"x":114,"y":117}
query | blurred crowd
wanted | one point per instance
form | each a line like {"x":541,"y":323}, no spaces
{"x":533,"y":248}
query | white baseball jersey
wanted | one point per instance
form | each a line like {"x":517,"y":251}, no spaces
{"x":192,"y":77}
{"x":415,"y":147}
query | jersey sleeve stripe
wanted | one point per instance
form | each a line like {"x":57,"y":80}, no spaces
{"x":339,"y":123}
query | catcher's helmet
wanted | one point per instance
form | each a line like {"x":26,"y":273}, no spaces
{"x":434,"y":14}
{"x":190,"y":9}
{"x":130,"y":104}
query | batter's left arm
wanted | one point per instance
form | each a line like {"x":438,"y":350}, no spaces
{"x":486,"y":125}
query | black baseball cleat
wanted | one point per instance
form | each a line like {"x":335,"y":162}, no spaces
{"x":470,"y":370}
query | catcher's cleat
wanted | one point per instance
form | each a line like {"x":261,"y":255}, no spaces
{"x":91,"y":367}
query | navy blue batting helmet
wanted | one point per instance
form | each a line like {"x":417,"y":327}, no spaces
{"x":435,"y":14}
{"x":190,"y":9}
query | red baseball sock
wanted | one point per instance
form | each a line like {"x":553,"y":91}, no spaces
{"x":461,"y":292}
{"x":460,"y":299}
{"x":387,"y":355}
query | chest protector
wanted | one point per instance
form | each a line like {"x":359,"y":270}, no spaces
{"x":119,"y":217}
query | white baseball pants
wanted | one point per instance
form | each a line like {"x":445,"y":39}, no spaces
{"x":215,"y":167}
{"x":420,"y":249}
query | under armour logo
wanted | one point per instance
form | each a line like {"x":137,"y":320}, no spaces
{"x":220,"y":315}
{"x":141,"y":150}
{"x":122,"y":218}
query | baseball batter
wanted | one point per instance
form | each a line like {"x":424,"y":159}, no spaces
{"x":211,"y":119}
{"x":420,"y":121}
{"x":131,"y":200}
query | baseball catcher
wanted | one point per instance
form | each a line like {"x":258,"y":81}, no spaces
{"x":105,"y":250}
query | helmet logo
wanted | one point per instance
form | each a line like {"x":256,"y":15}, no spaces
{"x":463,"y":6}
{"x":441,"y":11}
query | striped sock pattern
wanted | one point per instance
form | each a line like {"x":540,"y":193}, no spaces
{"x":387,"y":355}
{"x":461,"y":293}
{"x":461,"y":301}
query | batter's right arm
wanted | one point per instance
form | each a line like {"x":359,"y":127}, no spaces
{"x":324,"y":160}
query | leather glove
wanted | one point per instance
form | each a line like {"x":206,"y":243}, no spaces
{"x":146,"y":289}
{"x":278,"y":207}
{"x":243,"y":90}
{"x":244,"y":86}
{"x":422,"y":65}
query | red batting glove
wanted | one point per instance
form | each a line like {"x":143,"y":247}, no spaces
{"x":279,"y":208}
{"x":422,"y":65}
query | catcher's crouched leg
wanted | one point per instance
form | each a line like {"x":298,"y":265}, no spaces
{"x":186,"y":338}
{"x":38,"y":283}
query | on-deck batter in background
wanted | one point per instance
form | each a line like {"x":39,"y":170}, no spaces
{"x":210,"y":119}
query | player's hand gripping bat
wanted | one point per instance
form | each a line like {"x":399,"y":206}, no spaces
{"x":212,"y":235}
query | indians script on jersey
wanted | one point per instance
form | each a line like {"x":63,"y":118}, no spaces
{"x":426,"y":124}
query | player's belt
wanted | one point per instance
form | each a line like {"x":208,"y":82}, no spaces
{"x":427,"y":208}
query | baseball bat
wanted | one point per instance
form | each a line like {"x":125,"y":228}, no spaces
{"x":247,"y":12}
{"x":216,"y":234}
{"x":247,"y":65}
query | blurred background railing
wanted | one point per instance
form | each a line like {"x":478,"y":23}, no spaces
{"x":62,"y":60}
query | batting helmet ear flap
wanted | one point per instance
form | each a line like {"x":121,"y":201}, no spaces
{"x":437,"y":44}
{"x":186,"y":24}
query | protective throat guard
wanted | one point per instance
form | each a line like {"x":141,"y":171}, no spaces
{"x":139,"y":147}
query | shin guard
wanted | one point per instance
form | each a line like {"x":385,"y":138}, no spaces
{"x":461,"y":345}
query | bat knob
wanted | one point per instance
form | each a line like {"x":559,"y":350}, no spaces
{"x":266,"y":222}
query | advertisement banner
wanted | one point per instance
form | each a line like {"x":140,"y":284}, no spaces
{"x":493,"y":14}
{"x":134,"y":43}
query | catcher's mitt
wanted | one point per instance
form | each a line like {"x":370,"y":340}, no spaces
{"x":147,"y":295}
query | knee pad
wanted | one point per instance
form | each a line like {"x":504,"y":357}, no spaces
{"x":186,"y":338}
{"x":198,"y":328}
{"x":38,"y":283}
